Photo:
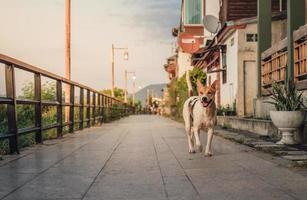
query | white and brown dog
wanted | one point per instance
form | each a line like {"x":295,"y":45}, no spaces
{"x":200,"y":111}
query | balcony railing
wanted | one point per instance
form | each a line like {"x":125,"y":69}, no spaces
{"x":300,"y":58}
{"x":74,"y":106}
{"x":275,"y":59}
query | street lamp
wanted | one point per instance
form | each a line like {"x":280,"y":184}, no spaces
{"x":126,"y":57}
{"x":126,"y":83}
{"x":133,"y":98}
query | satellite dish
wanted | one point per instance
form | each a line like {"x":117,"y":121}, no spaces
{"x":212,"y":24}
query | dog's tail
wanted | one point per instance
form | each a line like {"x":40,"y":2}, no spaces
{"x":190,"y":89}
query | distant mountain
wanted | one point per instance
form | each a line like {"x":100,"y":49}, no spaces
{"x":156,"y":89}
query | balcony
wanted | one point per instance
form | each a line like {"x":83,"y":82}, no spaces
{"x":275,"y":59}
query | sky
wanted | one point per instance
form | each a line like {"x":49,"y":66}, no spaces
{"x":34,"y":31}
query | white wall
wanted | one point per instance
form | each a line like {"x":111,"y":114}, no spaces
{"x":229,"y":89}
{"x":247,"y":55}
{"x":184,"y":63}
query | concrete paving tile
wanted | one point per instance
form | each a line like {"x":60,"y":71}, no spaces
{"x":126,"y":187}
{"x":8,"y":182}
{"x":149,"y":177}
{"x":53,"y":186}
{"x":179,"y":187}
{"x":90,"y":171}
{"x":254,"y":189}
{"x":26,"y":166}
{"x":151,"y":162}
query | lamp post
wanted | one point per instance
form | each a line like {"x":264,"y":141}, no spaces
{"x":126,"y":83}
{"x":67,"y":55}
{"x":133,"y":98}
{"x":126,"y":57}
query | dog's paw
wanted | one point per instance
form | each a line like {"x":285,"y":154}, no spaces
{"x":199,"y":148}
{"x":192,"y":151}
{"x":208,"y":154}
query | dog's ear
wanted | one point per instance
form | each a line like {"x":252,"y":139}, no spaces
{"x":214,"y":86}
{"x":200,"y":88}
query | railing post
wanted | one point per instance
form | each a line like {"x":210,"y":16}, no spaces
{"x":38,"y":107}
{"x":101,"y":108}
{"x":104,"y":108}
{"x":94,"y":109}
{"x":88,"y":111}
{"x":59,"y":108}
{"x":11,"y":108}
{"x":108,"y":109}
{"x":72,"y":108}
{"x":81,"y":108}
{"x":111,"y":109}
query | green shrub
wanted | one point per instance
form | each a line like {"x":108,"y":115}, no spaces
{"x":26,"y":116}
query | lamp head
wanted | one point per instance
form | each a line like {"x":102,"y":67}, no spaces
{"x":126,"y":55}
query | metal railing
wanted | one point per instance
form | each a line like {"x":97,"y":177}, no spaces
{"x":94,"y":107}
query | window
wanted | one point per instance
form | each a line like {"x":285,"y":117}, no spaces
{"x":251,"y":37}
{"x":193,"y":11}
{"x":224,"y":65}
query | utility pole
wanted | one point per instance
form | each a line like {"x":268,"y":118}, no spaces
{"x":68,"y":39}
{"x":133,"y":98}
{"x":126,"y":56}
{"x":126,"y":85}
{"x":148,"y":97}
{"x":113,"y":60}
{"x":67,"y":56}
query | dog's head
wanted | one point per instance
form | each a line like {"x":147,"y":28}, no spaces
{"x":206,"y":93}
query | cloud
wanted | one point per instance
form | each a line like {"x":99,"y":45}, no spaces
{"x":155,"y":18}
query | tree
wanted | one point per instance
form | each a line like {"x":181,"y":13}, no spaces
{"x":178,"y":91}
{"x":118,"y":93}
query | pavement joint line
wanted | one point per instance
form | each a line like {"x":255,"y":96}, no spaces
{"x":118,"y":142}
{"x":42,"y":172}
{"x":8,"y":162}
{"x":186,"y":175}
{"x":156,"y":154}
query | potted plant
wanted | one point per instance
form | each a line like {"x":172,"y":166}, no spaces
{"x":290,"y":113}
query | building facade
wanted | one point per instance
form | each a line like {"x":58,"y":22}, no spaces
{"x":231,"y":57}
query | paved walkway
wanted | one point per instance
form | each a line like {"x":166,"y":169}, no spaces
{"x":144,"y":157}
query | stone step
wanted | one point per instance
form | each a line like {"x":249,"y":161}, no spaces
{"x":291,"y":152}
{"x":296,"y":157}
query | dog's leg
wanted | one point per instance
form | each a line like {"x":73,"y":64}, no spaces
{"x":208,"y":151}
{"x":197,"y":140}
{"x":190,"y":139}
